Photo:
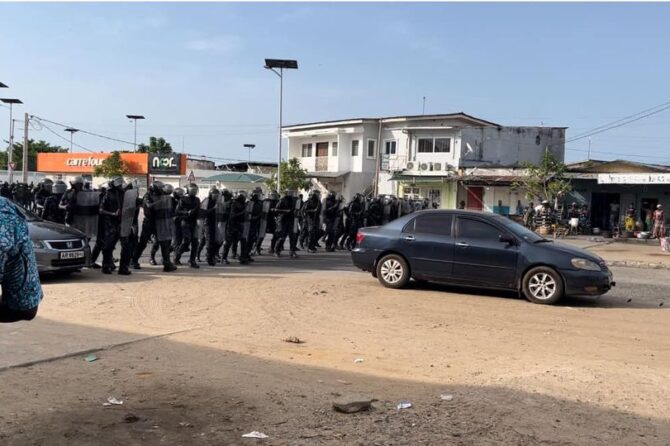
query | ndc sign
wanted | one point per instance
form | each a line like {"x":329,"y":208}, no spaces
{"x":167,"y":164}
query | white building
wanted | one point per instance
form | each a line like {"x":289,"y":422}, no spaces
{"x":424,"y":156}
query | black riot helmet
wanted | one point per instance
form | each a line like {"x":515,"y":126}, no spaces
{"x":274,"y":195}
{"x":178,"y":192}
{"x":59,"y":187}
{"x":214,"y":192}
{"x":241,"y":195}
{"x":192,"y":190}
{"x":168,"y":189}
{"x":226,"y":194}
{"x":156,"y":186}
{"x":77,"y":183}
{"x":116,"y":183}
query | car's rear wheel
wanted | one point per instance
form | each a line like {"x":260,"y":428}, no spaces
{"x":393,"y":271}
{"x":543,"y":285}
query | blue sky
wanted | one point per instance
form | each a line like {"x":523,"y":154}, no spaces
{"x":196,"y":70}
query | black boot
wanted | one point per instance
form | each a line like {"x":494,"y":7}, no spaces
{"x":169,"y":268}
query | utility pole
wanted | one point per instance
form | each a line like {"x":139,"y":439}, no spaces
{"x":423,"y":109}
{"x":26,"y":144}
{"x":588,"y":156}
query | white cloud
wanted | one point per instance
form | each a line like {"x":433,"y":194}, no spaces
{"x":215,"y":44}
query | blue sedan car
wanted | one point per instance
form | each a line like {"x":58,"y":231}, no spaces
{"x":478,"y":249}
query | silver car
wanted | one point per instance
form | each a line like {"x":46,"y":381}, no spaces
{"x":58,"y":248}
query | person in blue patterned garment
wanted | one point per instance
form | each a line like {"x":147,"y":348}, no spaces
{"x":21,"y":288}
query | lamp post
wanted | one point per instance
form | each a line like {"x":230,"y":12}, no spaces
{"x":10,"y":150}
{"x":134,"y":118}
{"x":71,"y":131}
{"x":250,"y":146}
{"x":281,"y":64}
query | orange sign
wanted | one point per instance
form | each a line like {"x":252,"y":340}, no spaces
{"x":87,"y":162}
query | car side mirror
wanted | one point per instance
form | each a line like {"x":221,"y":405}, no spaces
{"x":506,"y":238}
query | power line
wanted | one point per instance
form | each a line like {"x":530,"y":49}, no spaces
{"x":65,"y":139}
{"x":618,"y":154}
{"x":621,"y":122}
{"x":85,"y":131}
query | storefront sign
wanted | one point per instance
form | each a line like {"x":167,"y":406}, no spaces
{"x":634,"y":178}
{"x":165,"y":164}
{"x":85,"y":163}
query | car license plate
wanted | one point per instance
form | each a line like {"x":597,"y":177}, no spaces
{"x":72,"y":255}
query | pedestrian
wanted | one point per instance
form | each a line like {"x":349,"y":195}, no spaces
{"x":19,"y":278}
{"x":659,"y":223}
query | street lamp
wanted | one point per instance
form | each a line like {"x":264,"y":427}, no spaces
{"x":250,"y":146}
{"x":134,"y":118}
{"x":281,"y":64}
{"x":71,"y":131}
{"x":10,"y":150}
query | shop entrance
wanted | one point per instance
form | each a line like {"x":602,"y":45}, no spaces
{"x":600,"y":209}
{"x":475,"y":197}
{"x":647,"y":210}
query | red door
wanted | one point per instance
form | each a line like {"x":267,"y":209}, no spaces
{"x":475,"y":198}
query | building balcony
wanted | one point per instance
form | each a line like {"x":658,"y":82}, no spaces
{"x":321,"y":164}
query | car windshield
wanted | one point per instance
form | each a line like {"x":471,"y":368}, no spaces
{"x":520,"y":230}
{"x":27,"y":214}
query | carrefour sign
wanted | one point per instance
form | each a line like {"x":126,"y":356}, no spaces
{"x":165,"y":164}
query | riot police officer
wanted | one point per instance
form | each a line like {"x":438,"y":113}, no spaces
{"x":188,"y":210}
{"x":235,"y":226}
{"x":110,"y":210}
{"x":52,"y":209}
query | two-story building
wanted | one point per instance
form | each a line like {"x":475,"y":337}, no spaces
{"x":445,"y":158}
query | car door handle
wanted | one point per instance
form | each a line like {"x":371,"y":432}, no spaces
{"x":409,"y":238}
{"x":462,"y":244}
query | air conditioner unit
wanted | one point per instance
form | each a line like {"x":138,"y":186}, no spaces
{"x":423,"y":166}
{"x":437,"y":166}
{"x":410,"y":166}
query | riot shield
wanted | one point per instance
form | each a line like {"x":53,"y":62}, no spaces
{"x":366,"y":206}
{"x":202,"y":218}
{"x":340,"y":212}
{"x":248,"y":210}
{"x":297,"y":205}
{"x":162,"y":214}
{"x":222,"y":213}
{"x":386,"y":216}
{"x":85,"y":218}
{"x":398,"y":210}
{"x":264,"y":219}
{"x":128,"y":211}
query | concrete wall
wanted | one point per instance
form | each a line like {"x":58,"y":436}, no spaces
{"x":509,"y":146}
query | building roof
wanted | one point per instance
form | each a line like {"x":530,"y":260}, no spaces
{"x":460,"y":115}
{"x":615,"y":166}
{"x":233,"y":177}
{"x":244,"y":165}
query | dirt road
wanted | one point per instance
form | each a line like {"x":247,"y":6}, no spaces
{"x":593,"y":372}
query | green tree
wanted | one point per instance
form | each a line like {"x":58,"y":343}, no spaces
{"x":292,"y":176}
{"x":34,"y":147}
{"x":113,"y":166}
{"x":545,"y":181}
{"x":157,"y":146}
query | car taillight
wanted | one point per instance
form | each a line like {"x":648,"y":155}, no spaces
{"x":359,"y":238}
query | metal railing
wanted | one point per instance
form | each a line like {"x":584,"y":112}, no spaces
{"x":321,"y":164}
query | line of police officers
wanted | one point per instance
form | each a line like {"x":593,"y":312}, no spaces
{"x":222,"y":225}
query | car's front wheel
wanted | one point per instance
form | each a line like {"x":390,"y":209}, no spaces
{"x":393,"y":271}
{"x":543,"y":285}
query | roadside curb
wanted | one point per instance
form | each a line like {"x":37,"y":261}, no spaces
{"x":637,"y":264}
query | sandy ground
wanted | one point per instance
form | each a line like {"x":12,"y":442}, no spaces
{"x":201,"y":360}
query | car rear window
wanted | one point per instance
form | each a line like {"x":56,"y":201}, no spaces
{"x":431,"y":223}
